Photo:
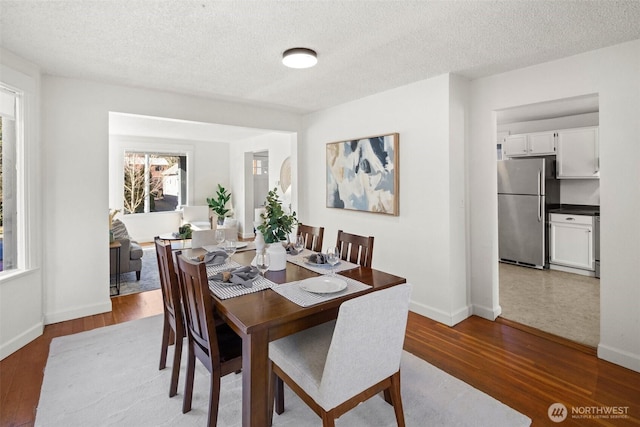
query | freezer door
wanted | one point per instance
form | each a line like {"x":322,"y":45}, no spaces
{"x":521,"y":230}
{"x":521,"y":176}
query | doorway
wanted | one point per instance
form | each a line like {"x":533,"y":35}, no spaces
{"x":561,"y":303}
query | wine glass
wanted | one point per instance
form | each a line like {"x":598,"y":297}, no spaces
{"x":219,"y":235}
{"x":230,"y":247}
{"x":333,"y":257}
{"x":299,"y":243}
{"x":262,"y":262}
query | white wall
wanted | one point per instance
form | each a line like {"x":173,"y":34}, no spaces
{"x":614,"y":74}
{"x":425,"y":243}
{"x":75,"y":133}
{"x":279,"y":146}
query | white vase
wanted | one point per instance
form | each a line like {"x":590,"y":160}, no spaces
{"x":278,"y":255}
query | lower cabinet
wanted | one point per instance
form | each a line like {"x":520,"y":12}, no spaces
{"x":571,"y":241}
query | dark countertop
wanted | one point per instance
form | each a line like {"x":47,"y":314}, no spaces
{"x":575,"y":210}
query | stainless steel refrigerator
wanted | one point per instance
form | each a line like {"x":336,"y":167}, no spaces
{"x":527,"y":187}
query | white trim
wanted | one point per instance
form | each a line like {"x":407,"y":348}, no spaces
{"x":449,"y":319}
{"x":19,"y":341}
{"x":77,"y":312}
{"x":619,"y":357}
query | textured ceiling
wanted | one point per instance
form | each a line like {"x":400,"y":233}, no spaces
{"x":232,"y":49}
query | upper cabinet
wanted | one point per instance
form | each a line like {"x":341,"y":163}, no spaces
{"x":578,"y":153}
{"x":530,"y":144}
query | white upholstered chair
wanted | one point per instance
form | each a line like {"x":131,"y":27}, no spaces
{"x":200,"y":238}
{"x":337,"y":365}
{"x":230,"y":227}
{"x":197,"y":216}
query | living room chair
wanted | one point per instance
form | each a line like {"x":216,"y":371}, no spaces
{"x":336,"y":366}
{"x":200,"y":238}
{"x":312,"y":236}
{"x":198,"y":216}
{"x":219,"y":349}
{"x":130,"y":251}
{"x":173,"y":330}
{"x":355,"y":249}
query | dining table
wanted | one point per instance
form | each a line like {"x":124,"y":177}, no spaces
{"x":266,"y":315}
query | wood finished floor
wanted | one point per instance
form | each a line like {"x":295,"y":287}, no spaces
{"x":528,"y":372}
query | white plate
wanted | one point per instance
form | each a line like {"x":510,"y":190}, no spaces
{"x":323,"y":284}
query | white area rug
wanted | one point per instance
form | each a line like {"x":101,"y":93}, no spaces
{"x":109,"y":377}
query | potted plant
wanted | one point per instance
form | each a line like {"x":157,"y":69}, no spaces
{"x":275,"y":228}
{"x":219,"y":203}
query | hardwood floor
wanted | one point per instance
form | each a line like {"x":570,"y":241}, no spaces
{"x":525,"y":371}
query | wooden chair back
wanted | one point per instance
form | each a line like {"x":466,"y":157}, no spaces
{"x":218,"y":348}
{"x":355,"y":249}
{"x":312,"y":236}
{"x":173,"y":328}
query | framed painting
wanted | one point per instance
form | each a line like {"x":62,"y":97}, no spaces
{"x":362,"y":174}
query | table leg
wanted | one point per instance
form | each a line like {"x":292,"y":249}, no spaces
{"x":255,"y":379}
{"x":118,"y":270}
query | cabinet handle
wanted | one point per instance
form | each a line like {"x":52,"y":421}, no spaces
{"x":570,"y":219}
{"x":597,"y":165}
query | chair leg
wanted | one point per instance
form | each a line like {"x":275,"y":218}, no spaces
{"x":279,"y":389}
{"x":166,"y":330}
{"x":138,"y":275}
{"x":188,"y":387}
{"x":214,"y":398}
{"x":396,"y":398}
{"x":175,"y":373}
{"x":328,"y":420}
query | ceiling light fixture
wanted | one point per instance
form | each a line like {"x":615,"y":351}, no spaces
{"x":299,"y":57}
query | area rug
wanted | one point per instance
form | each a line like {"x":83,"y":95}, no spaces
{"x":149,"y":276}
{"x":109,"y":377}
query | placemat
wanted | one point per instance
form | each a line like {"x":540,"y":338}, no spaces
{"x":299,"y":260}
{"x":225,"y":291}
{"x":294,"y":293}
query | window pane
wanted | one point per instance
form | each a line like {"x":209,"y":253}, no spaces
{"x":153,"y":182}
{"x":8,"y":184}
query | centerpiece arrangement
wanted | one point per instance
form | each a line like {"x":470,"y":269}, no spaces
{"x":275,"y":229}
{"x":219,"y":203}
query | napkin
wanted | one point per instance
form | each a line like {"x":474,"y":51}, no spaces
{"x":215,"y":258}
{"x":318,"y":258}
{"x":240,"y":276}
{"x":291,"y":249}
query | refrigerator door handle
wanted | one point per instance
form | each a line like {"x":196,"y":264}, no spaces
{"x":539,"y":196}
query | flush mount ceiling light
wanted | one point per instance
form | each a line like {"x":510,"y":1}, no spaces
{"x":299,"y":57}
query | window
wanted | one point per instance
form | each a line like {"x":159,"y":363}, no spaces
{"x":260,"y":167}
{"x":154,"y":182}
{"x":10,"y":144}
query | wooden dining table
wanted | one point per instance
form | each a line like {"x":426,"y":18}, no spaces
{"x":265,"y":316}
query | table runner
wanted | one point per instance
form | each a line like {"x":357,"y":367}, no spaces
{"x":225,"y":291}
{"x":299,"y":260}
{"x":294,"y":293}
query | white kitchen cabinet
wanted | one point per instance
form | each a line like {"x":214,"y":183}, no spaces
{"x":530,"y":144}
{"x":571,"y":241}
{"x":578,"y":153}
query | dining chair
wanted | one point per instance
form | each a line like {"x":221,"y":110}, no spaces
{"x":312,"y":236}
{"x":331,"y":367}
{"x":173,"y":330}
{"x":218,"y":348}
{"x":200,"y":238}
{"x":355,"y":249}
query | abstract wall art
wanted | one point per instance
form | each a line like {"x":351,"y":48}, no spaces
{"x":362,"y":174}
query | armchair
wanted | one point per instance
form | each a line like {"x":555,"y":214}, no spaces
{"x":130,"y":251}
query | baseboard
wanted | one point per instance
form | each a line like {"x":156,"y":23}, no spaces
{"x":88,"y":310}
{"x":619,"y":357}
{"x":21,"y":340}
{"x":486,"y":312}
{"x":449,"y":319}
